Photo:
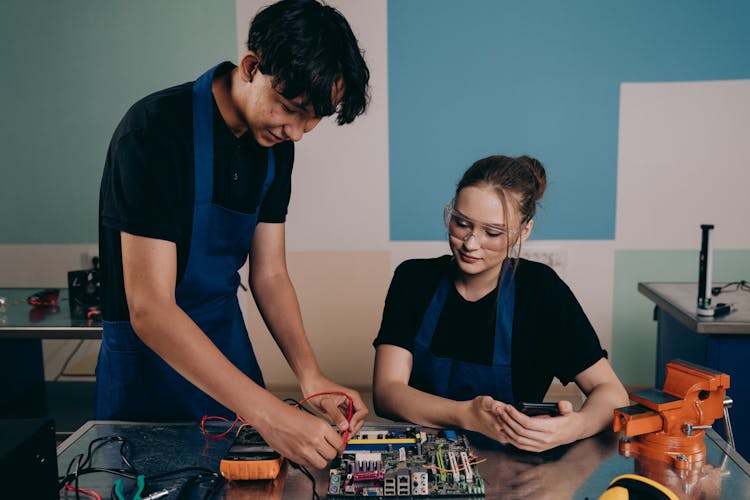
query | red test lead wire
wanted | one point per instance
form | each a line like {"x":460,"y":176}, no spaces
{"x":83,"y":491}
{"x":207,"y":418}
{"x":350,"y":410}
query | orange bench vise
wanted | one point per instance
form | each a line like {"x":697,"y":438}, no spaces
{"x":669,"y":424}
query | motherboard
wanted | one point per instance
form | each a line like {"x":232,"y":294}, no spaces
{"x":406,"y":462}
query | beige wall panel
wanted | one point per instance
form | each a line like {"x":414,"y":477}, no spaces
{"x":43,"y":265}
{"x":341,"y":295}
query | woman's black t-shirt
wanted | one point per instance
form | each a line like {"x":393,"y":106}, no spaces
{"x":552,"y":337}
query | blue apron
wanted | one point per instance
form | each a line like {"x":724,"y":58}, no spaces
{"x":461,"y":380}
{"x":132,"y":381}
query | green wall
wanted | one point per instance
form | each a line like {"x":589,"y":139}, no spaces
{"x":633,"y":330}
{"x":70,"y":70}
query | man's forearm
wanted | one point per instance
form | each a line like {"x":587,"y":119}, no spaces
{"x":277,"y":303}
{"x":175,"y":337}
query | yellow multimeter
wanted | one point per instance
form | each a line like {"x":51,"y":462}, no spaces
{"x":250,"y":457}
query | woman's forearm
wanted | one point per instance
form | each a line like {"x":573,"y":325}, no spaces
{"x":598,"y":409}
{"x":401,"y":401}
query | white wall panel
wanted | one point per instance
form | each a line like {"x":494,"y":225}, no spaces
{"x":683,"y":161}
{"x":340,"y":181}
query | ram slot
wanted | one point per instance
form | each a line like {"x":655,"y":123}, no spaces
{"x":454,"y":467}
{"x":467,"y":467}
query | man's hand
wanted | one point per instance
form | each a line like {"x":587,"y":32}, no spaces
{"x":302,"y":438}
{"x":335,"y":406}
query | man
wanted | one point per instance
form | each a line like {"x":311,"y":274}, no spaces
{"x":197,"y":176}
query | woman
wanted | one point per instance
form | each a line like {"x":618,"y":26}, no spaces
{"x":466,"y":336}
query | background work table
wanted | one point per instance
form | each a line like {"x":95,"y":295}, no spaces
{"x":22,"y":383}
{"x":680,"y":300}
{"x":581,"y":470}
{"x":722,"y":343}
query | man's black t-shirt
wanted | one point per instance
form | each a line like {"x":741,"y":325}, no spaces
{"x":552,"y":337}
{"x":148,"y":182}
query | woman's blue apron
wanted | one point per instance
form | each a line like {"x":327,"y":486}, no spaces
{"x":461,"y":380}
{"x":132,"y":381}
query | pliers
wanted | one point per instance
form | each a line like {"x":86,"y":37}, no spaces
{"x":140,"y":482}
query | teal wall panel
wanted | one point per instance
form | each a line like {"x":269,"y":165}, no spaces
{"x":70,"y":70}
{"x":468,"y":79}
{"x":633,"y":330}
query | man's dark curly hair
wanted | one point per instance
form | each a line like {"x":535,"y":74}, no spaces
{"x":306,"y":47}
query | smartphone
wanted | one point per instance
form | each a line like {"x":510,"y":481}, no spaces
{"x":250,"y":457}
{"x":534,"y":409}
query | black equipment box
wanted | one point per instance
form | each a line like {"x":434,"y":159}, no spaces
{"x":84,"y":290}
{"x":28,"y":461}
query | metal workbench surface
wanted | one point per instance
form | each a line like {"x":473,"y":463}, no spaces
{"x":581,"y":470}
{"x":680,"y":301}
{"x":19,"y":320}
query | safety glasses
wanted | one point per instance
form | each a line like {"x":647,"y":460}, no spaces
{"x":490,"y":236}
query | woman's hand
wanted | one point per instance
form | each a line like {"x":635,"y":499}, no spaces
{"x":541,"y":432}
{"x":604,"y":393}
{"x":481,"y":415}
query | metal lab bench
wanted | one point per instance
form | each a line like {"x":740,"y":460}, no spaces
{"x":581,"y":470}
